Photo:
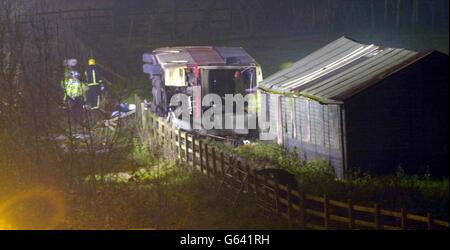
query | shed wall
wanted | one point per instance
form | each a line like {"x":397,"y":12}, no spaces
{"x":310,"y":128}
{"x":402,"y":121}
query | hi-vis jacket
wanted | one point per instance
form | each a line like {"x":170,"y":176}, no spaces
{"x":73,"y":88}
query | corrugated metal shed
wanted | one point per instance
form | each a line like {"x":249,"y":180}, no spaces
{"x":339,"y":70}
{"x":203,"y":55}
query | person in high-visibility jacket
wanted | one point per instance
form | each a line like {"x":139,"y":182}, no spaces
{"x":74,"y":94}
{"x":94,"y":81}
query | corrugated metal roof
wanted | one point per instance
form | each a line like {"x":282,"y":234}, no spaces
{"x":339,"y":70}
{"x":202,"y":55}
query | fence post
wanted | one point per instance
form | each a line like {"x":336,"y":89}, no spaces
{"x":430,"y":221}
{"x":302,"y":208}
{"x":163,"y":135}
{"x":207,"y":161}
{"x":167,"y":136}
{"x":193,"y":152}
{"x":222,"y":164}
{"x":173,"y":139}
{"x":200,"y":152}
{"x":152,"y":125}
{"x":214,"y":159}
{"x":378,"y":225}
{"x":404,"y":219}
{"x":351,"y":218}
{"x":179,"y":145}
{"x":326,"y":212}
{"x":289,"y":204}
{"x":158,"y":131}
{"x":186,"y":149}
{"x":167,"y":139}
{"x":143,"y":118}
{"x":255,"y":182}
{"x":277,"y":199}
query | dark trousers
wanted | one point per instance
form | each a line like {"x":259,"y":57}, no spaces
{"x":93,"y":97}
{"x":76,"y":110}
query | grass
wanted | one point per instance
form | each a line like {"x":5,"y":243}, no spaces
{"x":145,"y":191}
{"x":178,"y":202}
{"x":159,"y":194}
{"x":142,"y":191}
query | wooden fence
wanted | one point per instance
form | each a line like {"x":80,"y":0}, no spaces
{"x":301,"y":210}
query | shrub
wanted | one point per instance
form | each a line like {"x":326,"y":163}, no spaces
{"x":141,"y":154}
{"x":269,"y":154}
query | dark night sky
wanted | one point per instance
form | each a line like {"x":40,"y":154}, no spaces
{"x":273,"y":31}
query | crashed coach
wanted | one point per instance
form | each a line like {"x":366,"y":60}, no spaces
{"x":202,"y":70}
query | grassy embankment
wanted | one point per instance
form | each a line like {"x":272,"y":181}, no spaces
{"x":417,"y":193}
{"x":133,"y":188}
{"x":154,"y":193}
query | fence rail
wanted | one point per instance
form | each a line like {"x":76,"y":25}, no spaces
{"x":298,"y":208}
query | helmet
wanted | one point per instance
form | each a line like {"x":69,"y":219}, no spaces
{"x":91,"y":61}
{"x":72,"y":62}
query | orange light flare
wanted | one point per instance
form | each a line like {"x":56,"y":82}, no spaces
{"x":37,"y":208}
